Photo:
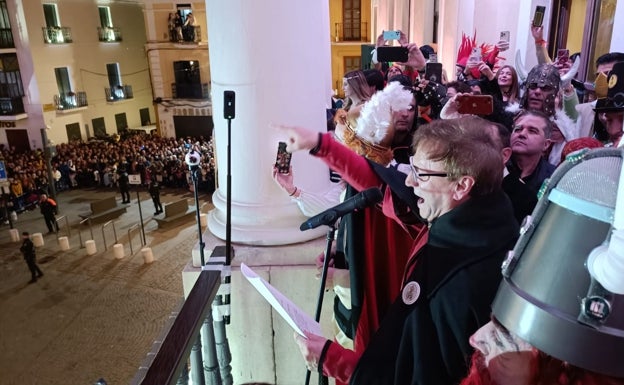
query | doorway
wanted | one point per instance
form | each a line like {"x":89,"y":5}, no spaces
{"x":18,"y":139}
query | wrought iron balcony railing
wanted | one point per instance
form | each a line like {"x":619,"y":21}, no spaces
{"x":56,"y":35}
{"x":11,"y":90}
{"x":70,"y":100}
{"x":116,"y":93}
{"x":190,"y":90}
{"x":6,"y":38}
{"x":109,"y":34}
{"x":11,"y":106}
{"x":350,"y":32}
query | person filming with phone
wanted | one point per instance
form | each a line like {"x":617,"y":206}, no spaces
{"x":406,"y":54}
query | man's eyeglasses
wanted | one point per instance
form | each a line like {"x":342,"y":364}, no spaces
{"x":424,"y":176}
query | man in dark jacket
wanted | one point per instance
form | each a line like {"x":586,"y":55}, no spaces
{"x":453,"y":274}
{"x":154,"y":191}
{"x":49,"y":210}
{"x":124,"y":185}
{"x":28,"y":249}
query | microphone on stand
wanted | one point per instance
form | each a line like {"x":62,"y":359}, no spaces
{"x":364,"y":199}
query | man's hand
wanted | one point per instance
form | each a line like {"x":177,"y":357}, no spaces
{"x":298,"y":138}
{"x":415,"y":57}
{"x":311,"y":348}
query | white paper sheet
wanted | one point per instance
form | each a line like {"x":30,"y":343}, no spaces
{"x":296,"y":318}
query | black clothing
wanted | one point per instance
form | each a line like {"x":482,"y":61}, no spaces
{"x":458,"y":271}
{"x":154,"y":191}
{"x":49,"y":209}
{"x":124,"y":187}
{"x":534,"y":181}
{"x":523,"y":199}
{"x":28,"y":249}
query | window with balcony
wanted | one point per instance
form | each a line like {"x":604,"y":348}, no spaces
{"x":53,"y":32}
{"x":116,"y":90}
{"x":184,"y":26}
{"x":67,"y":99}
{"x":351,"y":28}
{"x":106,"y":31}
{"x":11,"y":88}
{"x":6,"y":37}
{"x":188,"y":83}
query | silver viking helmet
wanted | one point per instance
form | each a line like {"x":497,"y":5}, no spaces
{"x":543,"y":75}
{"x":553,"y":294}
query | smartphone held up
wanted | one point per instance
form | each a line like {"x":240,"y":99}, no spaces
{"x":392,"y":54}
{"x":475,"y":104}
{"x":391,"y":35}
{"x":282,"y":162}
{"x":563,"y":56}
{"x":538,"y":16}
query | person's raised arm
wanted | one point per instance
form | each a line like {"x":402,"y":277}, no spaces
{"x":541,"y":46}
{"x":353,"y":168}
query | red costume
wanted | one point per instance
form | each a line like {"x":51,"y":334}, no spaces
{"x":387,"y":244}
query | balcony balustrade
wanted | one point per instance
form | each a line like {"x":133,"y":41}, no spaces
{"x":57,"y":35}
{"x":70,"y":100}
{"x":190,"y":90}
{"x":109,"y":34}
{"x":344,"y":32}
{"x":117,"y":93}
{"x":6,"y":38}
{"x":11,"y":106}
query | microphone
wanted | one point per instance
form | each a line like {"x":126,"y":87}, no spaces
{"x":363,"y":199}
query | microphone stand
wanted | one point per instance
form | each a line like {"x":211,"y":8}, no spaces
{"x":319,"y":303}
{"x":227,"y":270}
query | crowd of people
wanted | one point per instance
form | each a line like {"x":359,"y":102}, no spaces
{"x":104,"y":163}
{"x":415,"y":276}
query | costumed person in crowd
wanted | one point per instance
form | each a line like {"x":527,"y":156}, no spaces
{"x":366,"y":292}
{"x":49,"y":209}
{"x":383,"y":136}
{"x":470,"y":57}
{"x":28,"y":249}
{"x":453,"y":272}
{"x":611,"y":109}
{"x":357,"y":92}
{"x":562,"y":327}
{"x":588,"y":123}
{"x":542,"y":92}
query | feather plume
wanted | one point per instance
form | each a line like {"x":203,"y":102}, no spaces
{"x":376,"y":115}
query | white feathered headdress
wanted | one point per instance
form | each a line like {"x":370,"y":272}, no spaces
{"x":376,"y":114}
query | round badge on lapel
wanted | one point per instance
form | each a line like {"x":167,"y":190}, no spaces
{"x":410,"y":293}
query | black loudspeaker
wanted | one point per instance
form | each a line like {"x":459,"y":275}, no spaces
{"x":229,"y":99}
{"x":366,"y":53}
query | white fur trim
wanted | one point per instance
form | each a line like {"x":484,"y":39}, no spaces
{"x":514,"y":108}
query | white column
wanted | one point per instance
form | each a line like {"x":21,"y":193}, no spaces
{"x":276,"y":57}
{"x":421,"y":22}
{"x":617,"y":35}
